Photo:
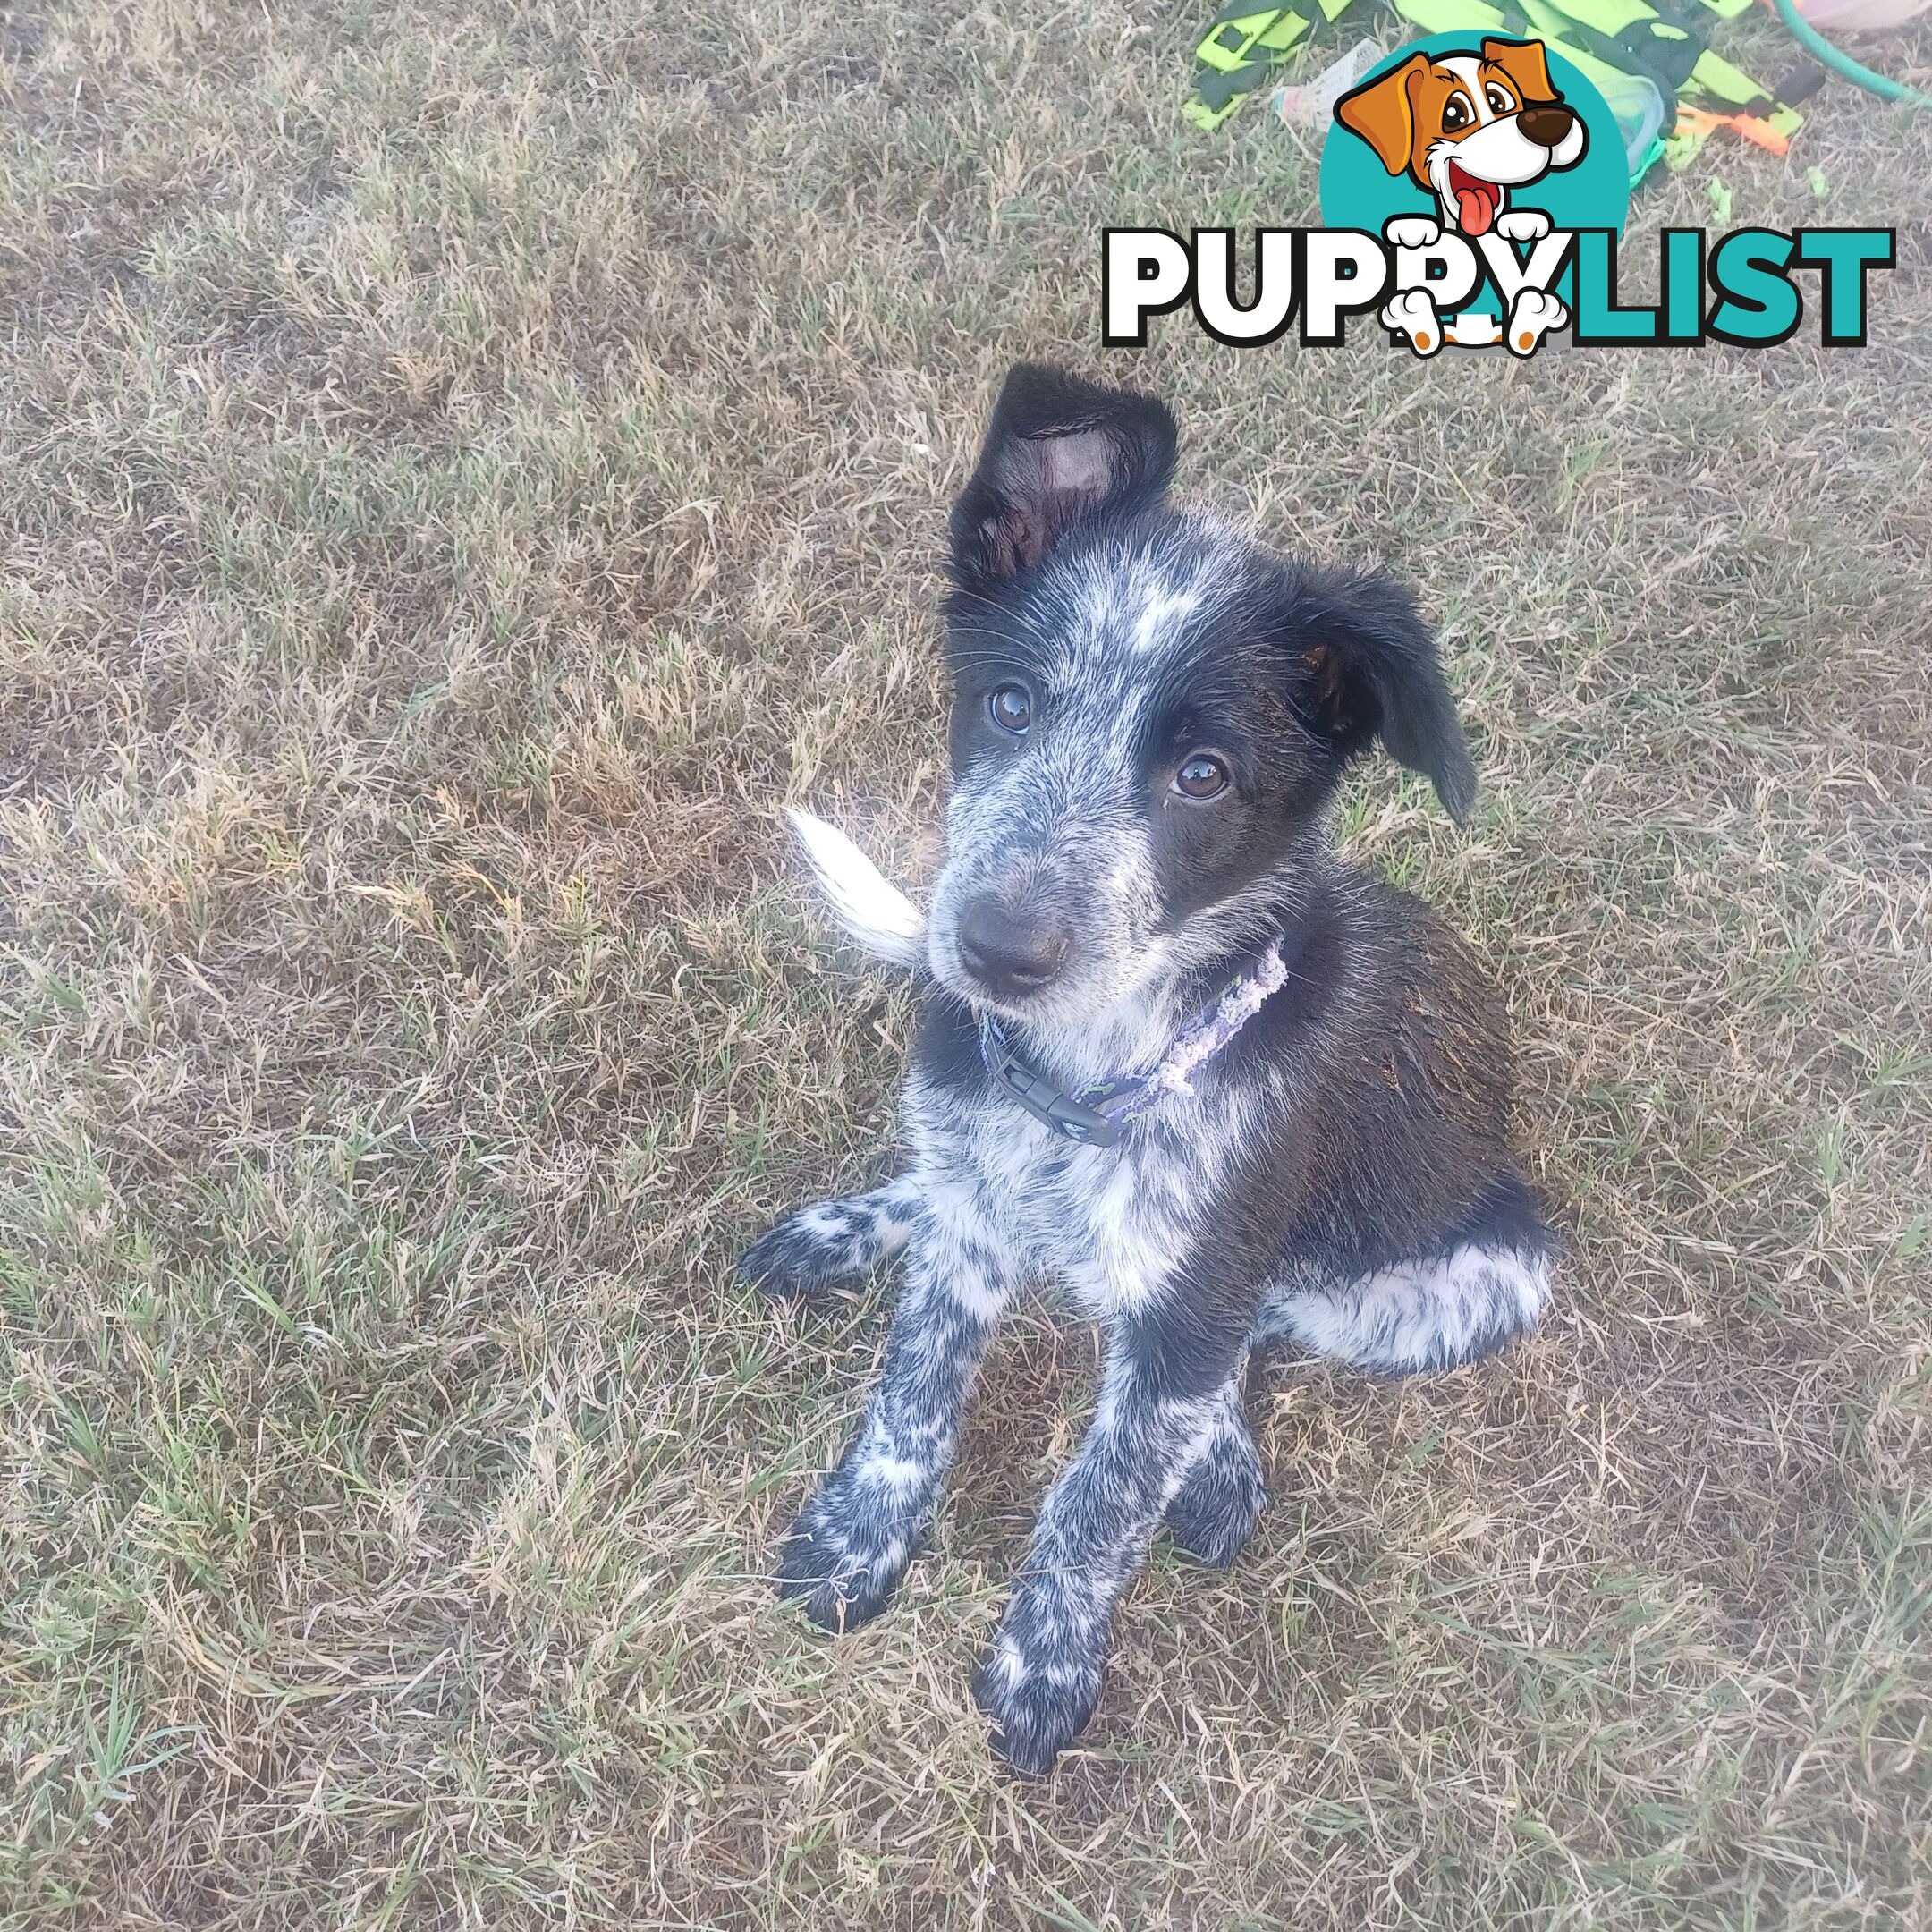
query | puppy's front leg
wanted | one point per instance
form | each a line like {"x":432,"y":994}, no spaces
{"x":1162,"y":1396}
{"x":852,"y":1541}
{"x":821,"y":1248}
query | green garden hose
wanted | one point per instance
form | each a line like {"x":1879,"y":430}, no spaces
{"x":1815,"y":44}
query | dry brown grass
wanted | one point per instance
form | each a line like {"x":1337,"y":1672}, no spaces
{"x":464,"y":468}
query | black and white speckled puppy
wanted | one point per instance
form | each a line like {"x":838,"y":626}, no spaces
{"x":1150,"y":717}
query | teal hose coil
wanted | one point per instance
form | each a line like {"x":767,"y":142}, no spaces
{"x":1815,"y":44}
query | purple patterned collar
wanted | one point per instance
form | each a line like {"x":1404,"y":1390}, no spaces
{"x":1099,"y":1112}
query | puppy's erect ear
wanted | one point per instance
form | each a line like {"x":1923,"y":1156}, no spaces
{"x":1526,"y":64}
{"x":1058,"y":450}
{"x":1383,"y":113}
{"x":1364,"y":667}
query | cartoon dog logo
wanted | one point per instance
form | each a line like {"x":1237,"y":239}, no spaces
{"x":1468,"y":127}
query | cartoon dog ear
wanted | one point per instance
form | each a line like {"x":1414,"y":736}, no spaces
{"x":1365,"y":667}
{"x":1382,"y":111}
{"x":1057,"y":452}
{"x":1526,"y":64}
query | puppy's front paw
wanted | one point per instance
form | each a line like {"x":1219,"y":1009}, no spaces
{"x":1411,"y":231}
{"x":1039,"y":1684}
{"x":1522,"y":224}
{"x":844,"y":1556}
{"x":1215,"y":1511}
{"x":807,"y":1255}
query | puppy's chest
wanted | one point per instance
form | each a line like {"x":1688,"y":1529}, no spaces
{"x":1109,"y":1223}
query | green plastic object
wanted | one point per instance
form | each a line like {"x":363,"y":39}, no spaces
{"x":1242,"y":43}
{"x":1643,"y":42}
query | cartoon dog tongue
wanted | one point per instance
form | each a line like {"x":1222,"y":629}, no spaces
{"x":1476,"y":201}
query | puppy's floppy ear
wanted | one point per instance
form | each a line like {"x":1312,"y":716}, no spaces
{"x":1525,"y":63}
{"x":1058,"y":450}
{"x":1363,"y":666}
{"x":1382,"y":111}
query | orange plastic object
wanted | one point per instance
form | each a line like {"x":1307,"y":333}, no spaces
{"x":1760,"y":133}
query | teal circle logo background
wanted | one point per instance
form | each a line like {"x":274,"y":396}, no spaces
{"x":1357,"y":191}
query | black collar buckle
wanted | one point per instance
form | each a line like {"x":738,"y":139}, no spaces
{"x":1044,"y":1101}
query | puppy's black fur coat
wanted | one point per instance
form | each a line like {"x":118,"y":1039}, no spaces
{"x":1150,"y":718}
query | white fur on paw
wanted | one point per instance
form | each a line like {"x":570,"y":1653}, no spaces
{"x":1413,"y":313}
{"x":1522,"y":224}
{"x":1411,"y":231}
{"x":1531,"y":316}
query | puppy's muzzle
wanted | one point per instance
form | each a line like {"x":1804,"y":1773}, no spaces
{"x":1546,"y":125}
{"x":1008,"y":955}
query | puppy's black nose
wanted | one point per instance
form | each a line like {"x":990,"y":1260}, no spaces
{"x":1546,"y":125}
{"x":1008,"y":955}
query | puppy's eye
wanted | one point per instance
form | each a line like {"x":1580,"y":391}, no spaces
{"x":1499,"y":102}
{"x":1203,"y":776}
{"x":1011,"y":708}
{"x":1455,"y":115}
